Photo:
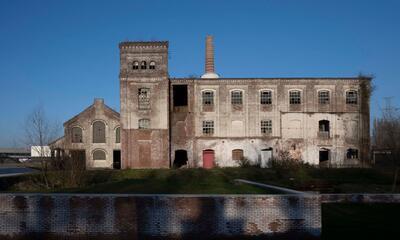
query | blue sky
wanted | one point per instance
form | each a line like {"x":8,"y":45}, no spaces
{"x":62,"y":54}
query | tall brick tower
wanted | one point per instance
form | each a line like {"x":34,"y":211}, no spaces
{"x":144,"y":104}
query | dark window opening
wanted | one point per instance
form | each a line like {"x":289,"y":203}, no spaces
{"x":323,"y":127}
{"x":352,"y":153}
{"x":135,"y":65}
{"x":323,"y":155}
{"x":152,"y":65}
{"x":180,"y":95}
{"x":117,"y":159}
{"x":181,"y":158}
{"x":143,"y":65}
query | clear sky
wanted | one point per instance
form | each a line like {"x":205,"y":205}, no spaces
{"x":63,"y":54}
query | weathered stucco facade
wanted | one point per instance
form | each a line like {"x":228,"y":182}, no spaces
{"x":213,"y":121}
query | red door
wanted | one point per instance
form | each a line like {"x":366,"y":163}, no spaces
{"x":208,"y":159}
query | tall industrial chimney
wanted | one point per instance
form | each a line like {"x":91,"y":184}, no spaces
{"x":209,"y":68}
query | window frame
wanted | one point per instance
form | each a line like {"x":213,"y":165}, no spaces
{"x":208,"y":127}
{"x":99,"y":150}
{"x":351,"y":100}
{"x":93,"y":131}
{"x":144,"y":123}
{"x":143,"y":65}
{"x":265,"y":100}
{"x":236,"y":100}
{"x":135,"y":65}
{"x":292,"y":100}
{"x":324,"y":100}
{"x":204,"y":100}
{"x":152,"y":65}
{"x":144,"y":102}
{"x":73,"y":136}
{"x":266,"y":127}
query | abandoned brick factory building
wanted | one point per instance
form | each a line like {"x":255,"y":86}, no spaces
{"x":214,"y":121}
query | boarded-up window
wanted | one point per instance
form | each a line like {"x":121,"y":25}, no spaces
{"x":76,"y":135}
{"x":144,"y":123}
{"x":237,"y":129}
{"x":266,"y":97}
{"x":99,"y":155}
{"x":144,"y":98}
{"x":237,"y":154}
{"x":99,"y":132}
{"x":118,"y":135}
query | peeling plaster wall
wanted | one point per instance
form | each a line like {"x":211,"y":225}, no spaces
{"x":294,"y":128}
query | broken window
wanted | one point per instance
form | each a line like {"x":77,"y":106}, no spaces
{"x":180,"y":95}
{"x":144,"y":123}
{"x":352,"y":153}
{"x":266,"y":126}
{"x":237,"y":97}
{"x":143,"y":65}
{"x":152,"y":65}
{"x":208,"y":127}
{"x":237,"y":154}
{"x":181,"y":158}
{"x":99,"y":155}
{"x":117,"y":135}
{"x":99,"y":132}
{"x":76,"y":133}
{"x":207,"y":97}
{"x":323,"y":127}
{"x":295,"y":97}
{"x":135,"y":65}
{"x":266,"y":97}
{"x":351,"y":97}
{"x":323,"y":97}
{"x":144,"y":98}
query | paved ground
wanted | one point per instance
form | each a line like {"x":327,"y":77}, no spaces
{"x":13,"y":171}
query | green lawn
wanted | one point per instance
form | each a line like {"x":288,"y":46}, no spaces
{"x":216,"y":181}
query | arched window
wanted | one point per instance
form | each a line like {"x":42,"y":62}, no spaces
{"x":237,"y":154}
{"x":99,"y":155}
{"x":265,"y":97}
{"x":144,"y":123}
{"x":99,"y":132}
{"x":323,"y":97}
{"x":76,"y":135}
{"x":143,"y":65}
{"x":295,"y":97}
{"x":152,"y":65}
{"x":135,"y":65}
{"x":351,"y":97}
{"x":117,"y":135}
{"x":237,"y":97}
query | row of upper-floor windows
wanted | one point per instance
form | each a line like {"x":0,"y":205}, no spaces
{"x":143,"y":65}
{"x":295,"y":97}
{"x":98,"y":133}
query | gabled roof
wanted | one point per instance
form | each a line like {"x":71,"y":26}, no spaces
{"x":108,"y":109}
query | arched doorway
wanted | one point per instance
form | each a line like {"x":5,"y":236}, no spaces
{"x":208,"y":158}
{"x":181,"y":158}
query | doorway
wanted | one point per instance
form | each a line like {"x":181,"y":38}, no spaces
{"x":181,"y":158}
{"x":266,"y":156}
{"x":117,"y":159}
{"x":324,"y":156}
{"x":208,"y":158}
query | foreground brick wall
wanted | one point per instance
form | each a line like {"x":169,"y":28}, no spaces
{"x":150,"y":216}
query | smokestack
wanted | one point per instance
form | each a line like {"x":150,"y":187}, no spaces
{"x":209,"y":67}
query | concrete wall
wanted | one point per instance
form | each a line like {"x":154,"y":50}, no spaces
{"x":147,"y":216}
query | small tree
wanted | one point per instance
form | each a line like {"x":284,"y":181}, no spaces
{"x":39,"y":132}
{"x":386,"y":136}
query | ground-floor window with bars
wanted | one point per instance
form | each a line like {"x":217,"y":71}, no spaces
{"x":208,"y":127}
{"x":266,"y":127}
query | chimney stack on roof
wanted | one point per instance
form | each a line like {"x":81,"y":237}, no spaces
{"x":210,"y":71}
